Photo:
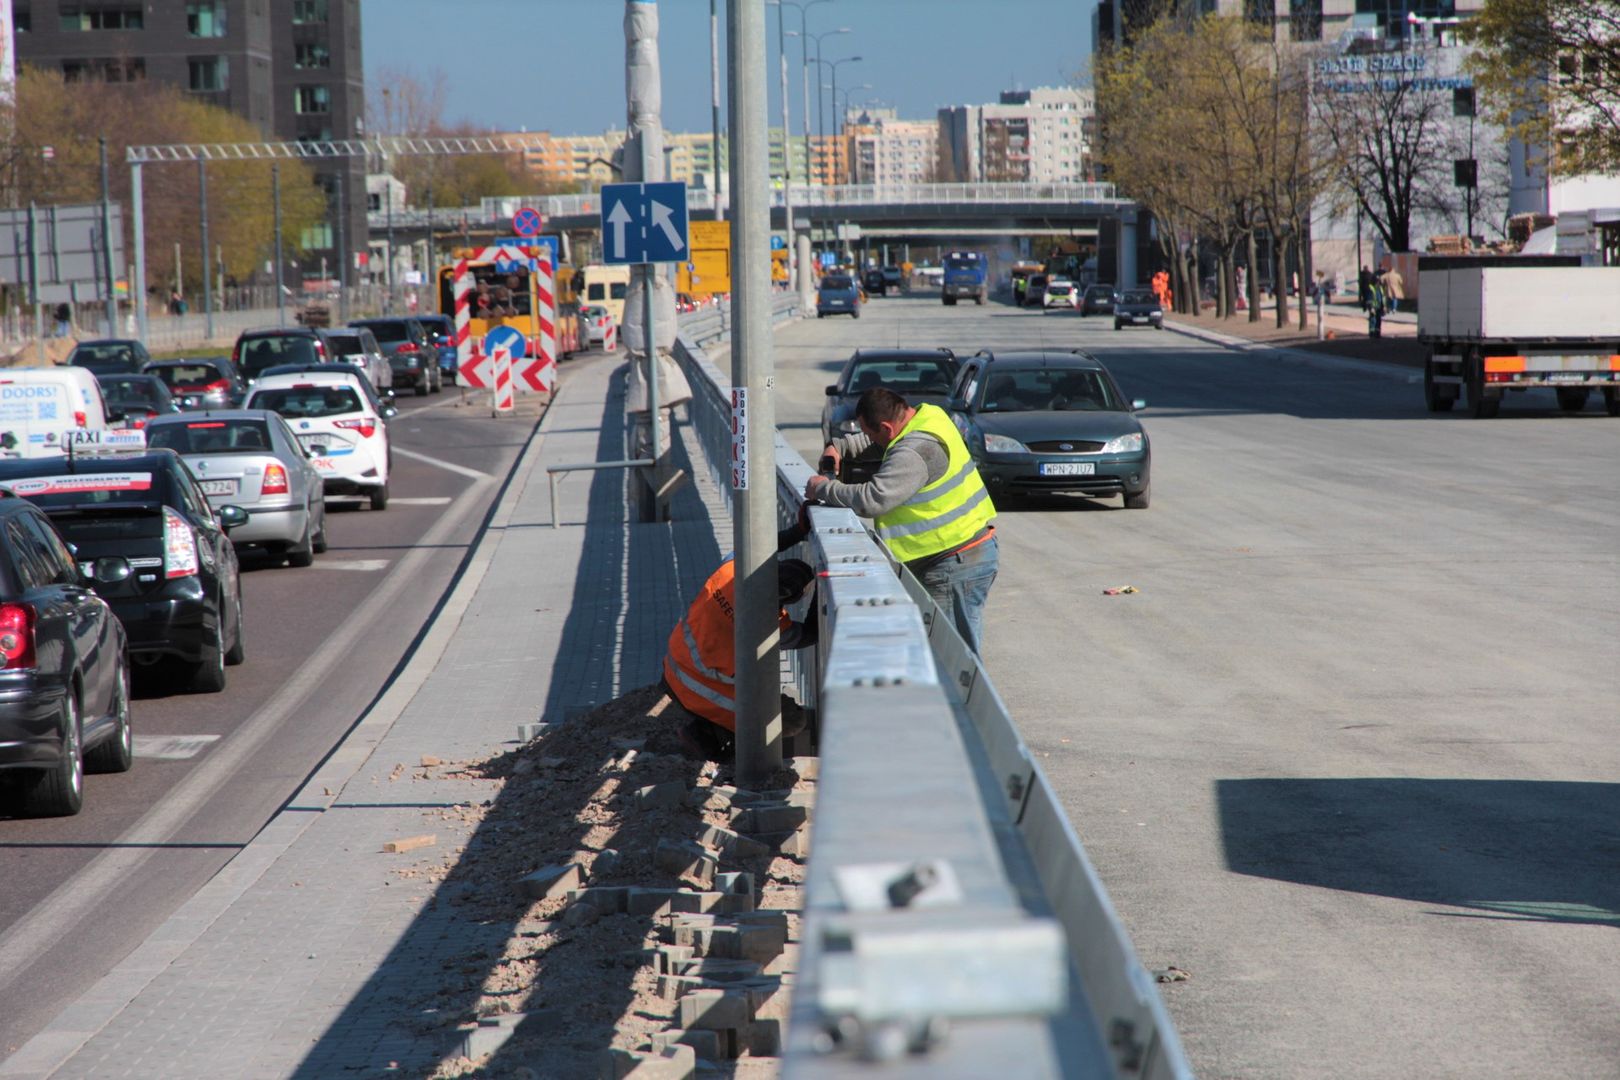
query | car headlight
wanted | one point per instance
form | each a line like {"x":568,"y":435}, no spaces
{"x":1001,"y":444}
{"x":1158,"y":314}
{"x":1125,"y":444}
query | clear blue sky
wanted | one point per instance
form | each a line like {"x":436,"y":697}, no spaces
{"x":558,"y":65}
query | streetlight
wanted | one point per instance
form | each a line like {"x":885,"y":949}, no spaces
{"x":833,"y":64}
{"x":848,"y":90}
{"x":821,"y":118}
{"x":803,"y":34}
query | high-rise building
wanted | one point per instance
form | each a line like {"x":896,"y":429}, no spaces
{"x":885,"y":151}
{"x":1030,"y":136}
{"x":292,"y":67}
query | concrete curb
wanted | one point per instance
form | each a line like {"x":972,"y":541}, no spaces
{"x":1391,"y":371}
{"x":80,"y":1021}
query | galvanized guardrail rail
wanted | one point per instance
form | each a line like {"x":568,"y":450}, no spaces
{"x":954,"y":926}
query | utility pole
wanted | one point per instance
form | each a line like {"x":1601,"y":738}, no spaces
{"x":275,"y":195}
{"x":107,"y":243}
{"x":207,"y":275}
{"x":432,"y":275}
{"x":342,"y":252}
{"x":759,"y":679}
{"x":137,"y":202}
{"x":388,"y":194}
{"x":787,"y":145}
{"x":714,"y":93}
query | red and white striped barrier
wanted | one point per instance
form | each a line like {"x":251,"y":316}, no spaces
{"x":502,"y":363}
{"x":539,"y":371}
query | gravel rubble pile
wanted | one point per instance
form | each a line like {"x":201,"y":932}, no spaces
{"x":577,"y":978}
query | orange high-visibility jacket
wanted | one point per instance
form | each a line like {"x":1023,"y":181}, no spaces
{"x":702,"y":659}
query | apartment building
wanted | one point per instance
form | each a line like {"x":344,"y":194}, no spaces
{"x":886,"y":151}
{"x":1028,"y":136}
{"x":292,"y":67}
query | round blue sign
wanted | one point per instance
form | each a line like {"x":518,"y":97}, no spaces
{"x":508,"y":338}
{"x":527,"y":222}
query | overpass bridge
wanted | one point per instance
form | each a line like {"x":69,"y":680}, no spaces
{"x":926,"y":214}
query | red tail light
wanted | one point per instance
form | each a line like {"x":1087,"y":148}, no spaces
{"x":275,"y":480}
{"x":179,"y":546}
{"x":366,"y":427}
{"x":409,"y":347}
{"x":17,"y":635}
{"x":222,"y":385}
{"x":320,"y":348}
{"x":81,"y":420}
{"x":139,"y":422}
{"x":236,"y":353}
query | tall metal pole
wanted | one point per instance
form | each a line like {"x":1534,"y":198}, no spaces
{"x":388,"y":194}
{"x":787,"y":144}
{"x":207,"y":275}
{"x":759,"y":678}
{"x":342,"y":252}
{"x":137,"y":201}
{"x":107,"y":242}
{"x":33,"y":281}
{"x":432,"y":275}
{"x":714,"y":94}
{"x":275,"y":196}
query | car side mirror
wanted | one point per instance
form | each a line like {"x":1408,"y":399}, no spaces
{"x":109,"y":570}
{"x":1138,"y":405}
{"x":316,"y":450}
{"x":232,"y":517}
{"x":832,"y":391}
{"x":389,"y":412}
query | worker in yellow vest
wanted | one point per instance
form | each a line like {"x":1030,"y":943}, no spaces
{"x":927,"y":501}
{"x":700,"y":665}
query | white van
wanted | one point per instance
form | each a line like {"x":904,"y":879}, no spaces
{"x":43,"y":408}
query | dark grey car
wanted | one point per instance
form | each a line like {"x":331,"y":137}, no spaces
{"x":1049,"y":421}
{"x":917,"y":375}
{"x":1138,"y":307}
{"x":411,"y":353}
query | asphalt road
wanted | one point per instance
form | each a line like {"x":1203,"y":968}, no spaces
{"x":79,"y":893}
{"x":1349,"y":757}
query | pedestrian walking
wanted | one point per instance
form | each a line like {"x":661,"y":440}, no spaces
{"x":927,"y":500}
{"x":1364,"y":287}
{"x":64,"y":320}
{"x":1375,"y":307}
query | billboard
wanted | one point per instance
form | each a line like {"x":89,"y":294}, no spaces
{"x":63,"y":246}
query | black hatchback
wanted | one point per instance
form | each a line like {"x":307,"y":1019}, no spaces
{"x":110,"y":356}
{"x":64,"y":679}
{"x":410,"y":351}
{"x":183,"y":599}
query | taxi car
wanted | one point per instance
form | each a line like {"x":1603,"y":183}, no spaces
{"x":336,"y":417}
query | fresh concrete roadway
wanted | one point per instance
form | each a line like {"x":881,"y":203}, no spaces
{"x":1349,"y":757}
{"x":81,"y":892}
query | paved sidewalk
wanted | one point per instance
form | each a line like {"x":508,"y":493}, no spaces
{"x":299,"y":959}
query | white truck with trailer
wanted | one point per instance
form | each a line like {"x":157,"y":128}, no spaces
{"x":1496,"y":324}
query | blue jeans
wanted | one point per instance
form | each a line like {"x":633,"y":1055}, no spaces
{"x":960,"y":584}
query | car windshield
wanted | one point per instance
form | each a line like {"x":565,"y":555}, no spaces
{"x":106,"y":359}
{"x":262,"y":352}
{"x":308,"y":402}
{"x":961,"y":262}
{"x":1102,"y":292}
{"x":346,"y":344}
{"x":1058,"y":289}
{"x":130,"y":388}
{"x":1048,"y":389}
{"x":1139,"y":296}
{"x":193,"y":375}
{"x":834,"y":282}
{"x":212,"y":436}
{"x":925,"y":375}
{"x":389,"y":330}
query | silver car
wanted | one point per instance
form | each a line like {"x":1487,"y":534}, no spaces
{"x":358,"y":346}
{"x":250,"y":458}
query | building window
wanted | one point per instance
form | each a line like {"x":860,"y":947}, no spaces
{"x":316,"y":238}
{"x":22,"y":20}
{"x":118,"y":18}
{"x":207,"y":74}
{"x":205,"y":19}
{"x":312,"y":100}
{"x":312,"y":56}
{"x":1305,"y":20}
{"x":308,"y":11}
{"x":125,"y":70}
{"x":1392,"y":15}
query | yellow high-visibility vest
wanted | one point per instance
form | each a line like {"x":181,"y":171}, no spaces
{"x":945,"y":514}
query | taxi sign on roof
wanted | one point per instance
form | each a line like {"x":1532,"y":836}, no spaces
{"x":103,"y":440}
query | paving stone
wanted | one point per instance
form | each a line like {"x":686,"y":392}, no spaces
{"x":550,"y":881}
{"x":660,"y":796}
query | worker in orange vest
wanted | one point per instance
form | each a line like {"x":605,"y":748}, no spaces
{"x":701,"y":663}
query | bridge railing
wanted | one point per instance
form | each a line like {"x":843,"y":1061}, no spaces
{"x":946,"y":885}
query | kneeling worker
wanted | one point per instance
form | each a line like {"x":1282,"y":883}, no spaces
{"x":927,"y":501}
{"x":701,"y":663}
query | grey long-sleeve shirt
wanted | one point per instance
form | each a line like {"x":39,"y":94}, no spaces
{"x":914,"y":462}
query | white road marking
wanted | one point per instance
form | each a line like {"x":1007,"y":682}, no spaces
{"x":450,"y":466}
{"x":422,"y":500}
{"x":172,"y":747}
{"x":351,"y":564}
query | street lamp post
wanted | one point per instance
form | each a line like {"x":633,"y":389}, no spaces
{"x":787,"y":133}
{"x":833,"y":64}
{"x":803,"y":34}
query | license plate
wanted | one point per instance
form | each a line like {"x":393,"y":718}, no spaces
{"x":1566,"y":376}
{"x":1069,"y":468}
{"x":217,"y":487}
{"x":1139,"y":318}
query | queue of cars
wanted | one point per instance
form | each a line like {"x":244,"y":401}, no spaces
{"x":119,"y":547}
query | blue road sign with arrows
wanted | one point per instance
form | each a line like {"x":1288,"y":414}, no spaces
{"x":644,"y":223}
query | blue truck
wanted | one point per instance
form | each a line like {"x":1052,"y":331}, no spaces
{"x":967,"y":275}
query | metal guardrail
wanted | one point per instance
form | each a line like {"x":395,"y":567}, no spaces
{"x":946,"y":884}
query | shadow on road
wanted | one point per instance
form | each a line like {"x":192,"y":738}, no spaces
{"x":1526,"y":850}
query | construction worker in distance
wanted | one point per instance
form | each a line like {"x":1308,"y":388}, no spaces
{"x":927,"y":501}
{"x":700,"y":665}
